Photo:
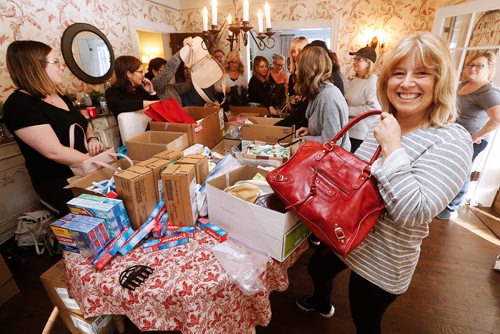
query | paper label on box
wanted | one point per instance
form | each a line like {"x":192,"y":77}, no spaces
{"x":161,"y":193}
{"x":198,"y":128}
{"x":68,"y":302}
{"x":192,"y":196}
{"x":82,"y":325}
{"x":221,"y":118}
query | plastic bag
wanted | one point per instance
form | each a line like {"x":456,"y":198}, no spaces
{"x":32,"y":228}
{"x":243,"y":265}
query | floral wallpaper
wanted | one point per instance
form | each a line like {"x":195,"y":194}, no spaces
{"x":46,"y":20}
{"x":397,"y":18}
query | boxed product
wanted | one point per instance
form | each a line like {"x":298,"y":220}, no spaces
{"x":200,"y":163}
{"x":179,"y":184}
{"x":136,"y":186}
{"x":272,"y":232}
{"x":206,"y":131}
{"x":225,"y":146}
{"x":8,"y":287}
{"x":157,"y":166}
{"x":149,"y":143}
{"x":169,"y":155}
{"x":64,"y":237}
{"x":103,"y":122}
{"x":263,"y":129}
{"x":111,"y":210}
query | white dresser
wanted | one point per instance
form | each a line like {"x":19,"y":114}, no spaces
{"x":16,"y":193}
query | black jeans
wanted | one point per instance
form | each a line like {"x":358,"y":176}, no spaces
{"x":368,"y":302}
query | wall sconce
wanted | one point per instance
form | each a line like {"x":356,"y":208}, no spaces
{"x":376,"y":39}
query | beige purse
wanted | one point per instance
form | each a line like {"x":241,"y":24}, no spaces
{"x":91,"y":164}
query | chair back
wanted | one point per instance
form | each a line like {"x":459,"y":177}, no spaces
{"x":132,"y":123}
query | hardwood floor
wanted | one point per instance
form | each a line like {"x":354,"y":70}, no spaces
{"x":454,"y":290}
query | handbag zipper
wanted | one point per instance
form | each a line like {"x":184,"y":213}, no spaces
{"x":330,"y":180}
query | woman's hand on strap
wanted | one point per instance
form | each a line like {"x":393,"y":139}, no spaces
{"x":301,"y":132}
{"x":388,"y":134}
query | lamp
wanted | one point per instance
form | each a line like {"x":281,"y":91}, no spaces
{"x":375,"y":39}
{"x":236,"y":27}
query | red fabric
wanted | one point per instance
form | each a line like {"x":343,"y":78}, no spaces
{"x":169,"y":110}
{"x":189,"y":291}
{"x":332,"y":191}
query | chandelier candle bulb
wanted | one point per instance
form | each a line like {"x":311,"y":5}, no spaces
{"x":214,"y":12}
{"x":259,"y":18}
{"x":267,"y":12}
{"x":229,"y":22}
{"x":205,"y":18}
{"x":246,"y":11}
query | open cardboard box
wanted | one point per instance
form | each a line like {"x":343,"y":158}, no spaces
{"x":263,"y":129}
{"x":206,"y":131}
{"x":258,"y":111}
{"x":149,"y":143}
{"x":270,"y":231}
{"x":225,"y":145}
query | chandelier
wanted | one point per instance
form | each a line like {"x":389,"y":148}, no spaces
{"x":236,"y":27}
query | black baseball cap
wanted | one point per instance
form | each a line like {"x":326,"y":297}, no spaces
{"x":366,"y":52}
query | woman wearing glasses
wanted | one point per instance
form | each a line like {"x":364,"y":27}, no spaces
{"x":131,"y":90}
{"x":479,"y":112}
{"x":361,"y":94}
{"x":40,"y":116}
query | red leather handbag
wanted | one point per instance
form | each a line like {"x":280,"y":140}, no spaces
{"x":331,"y":190}
{"x":169,"y":110}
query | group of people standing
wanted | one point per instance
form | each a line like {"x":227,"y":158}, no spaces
{"x":427,"y":144}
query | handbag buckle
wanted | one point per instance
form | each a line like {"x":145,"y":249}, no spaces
{"x":280,"y":178}
{"x":339,"y":233}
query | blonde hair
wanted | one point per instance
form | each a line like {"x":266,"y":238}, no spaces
{"x":256,"y":62}
{"x":490,"y":57}
{"x":298,"y":43}
{"x":314,"y":71}
{"x":26,"y":63}
{"x":433,"y":55}
{"x":233,"y":56}
{"x":369,"y":71}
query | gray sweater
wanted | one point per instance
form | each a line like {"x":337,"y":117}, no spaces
{"x":327,"y":113}
{"x":416,"y":182}
{"x":161,"y":81}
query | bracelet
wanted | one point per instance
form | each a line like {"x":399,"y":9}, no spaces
{"x":90,"y":138}
{"x":153,"y":93}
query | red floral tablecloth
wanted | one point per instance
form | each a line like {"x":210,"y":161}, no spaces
{"x":188,"y":290}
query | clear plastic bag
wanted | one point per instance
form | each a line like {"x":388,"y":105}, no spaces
{"x":243,"y":265}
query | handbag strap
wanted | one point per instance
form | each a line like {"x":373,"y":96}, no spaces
{"x":72,"y":136}
{"x":330,"y":144}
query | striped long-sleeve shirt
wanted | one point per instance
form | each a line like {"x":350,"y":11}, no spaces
{"x":416,"y":182}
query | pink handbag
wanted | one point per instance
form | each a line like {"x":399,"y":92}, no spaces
{"x":91,"y":164}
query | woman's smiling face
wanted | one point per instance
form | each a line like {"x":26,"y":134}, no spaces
{"x":410,"y":88}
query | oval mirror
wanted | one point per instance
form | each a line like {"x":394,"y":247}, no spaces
{"x":87,"y":53}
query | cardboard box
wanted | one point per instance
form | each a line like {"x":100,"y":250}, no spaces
{"x":109,"y":137}
{"x":179,"y":184}
{"x":263,"y":129}
{"x":149,"y":143}
{"x":136,"y":187}
{"x":157,"y":166}
{"x":206,"y":131}
{"x":54,"y":282}
{"x":169,"y":155}
{"x":272,"y":232}
{"x":225,"y":145}
{"x":8,"y":287}
{"x":258,"y":111}
{"x":79,"y":185}
{"x":200,"y":163}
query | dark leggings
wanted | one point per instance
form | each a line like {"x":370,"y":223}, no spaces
{"x":355,"y":144}
{"x":368,"y":302}
{"x":54,"y":194}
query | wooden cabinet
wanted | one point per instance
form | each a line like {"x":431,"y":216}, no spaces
{"x":16,"y":193}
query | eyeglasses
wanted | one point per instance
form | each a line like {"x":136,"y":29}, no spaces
{"x":279,"y":65}
{"x":478,"y":66}
{"x":357,"y":59}
{"x":53,"y":61}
